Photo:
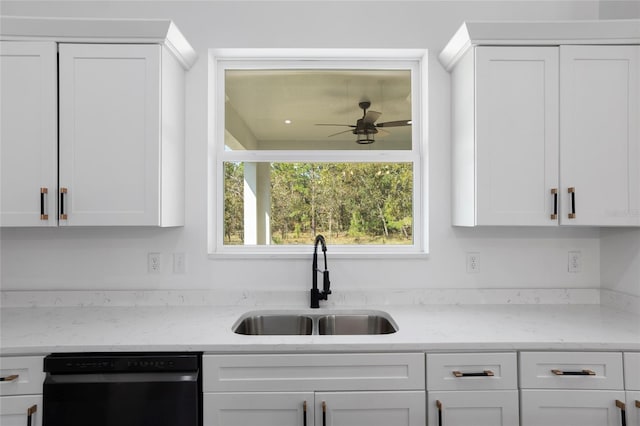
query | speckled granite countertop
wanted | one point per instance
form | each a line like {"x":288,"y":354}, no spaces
{"x":41,"y":330}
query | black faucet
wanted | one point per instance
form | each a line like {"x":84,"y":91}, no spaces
{"x":317,"y":295}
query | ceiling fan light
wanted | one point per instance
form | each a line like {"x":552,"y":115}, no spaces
{"x":365,"y":138}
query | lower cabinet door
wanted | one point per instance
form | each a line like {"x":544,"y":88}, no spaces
{"x":633,"y":408}
{"x":395,"y":408}
{"x":477,"y":408}
{"x":21,"y":410}
{"x":545,"y":407}
{"x":258,"y":409}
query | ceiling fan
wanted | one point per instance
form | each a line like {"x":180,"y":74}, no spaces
{"x":366,"y":127}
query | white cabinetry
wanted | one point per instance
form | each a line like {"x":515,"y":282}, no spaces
{"x":571,"y":388}
{"x":505,"y":136}
{"x":472,"y":389}
{"x":28,"y":134}
{"x":545,"y":133}
{"x":121,"y":135}
{"x":94,"y":136}
{"x":600,"y":134}
{"x":21,"y":390}
{"x":320,"y":389}
{"x":632,"y":386}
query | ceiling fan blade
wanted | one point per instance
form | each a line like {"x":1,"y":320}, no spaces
{"x":395,"y":123}
{"x":383,"y":133}
{"x":370,"y":117}
{"x":343,"y":125}
{"x":339,"y":133}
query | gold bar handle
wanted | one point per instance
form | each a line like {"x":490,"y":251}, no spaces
{"x":324,"y":413}
{"x":30,"y":412}
{"x":574,"y":373}
{"x":554,"y":192}
{"x":485,"y":373}
{"x":11,"y":378}
{"x":439,"y":406}
{"x":637,"y":404}
{"x":572,"y":194}
{"x":623,"y":412}
{"x":304,"y":413}
{"x":44,"y":193}
{"x":63,"y":193}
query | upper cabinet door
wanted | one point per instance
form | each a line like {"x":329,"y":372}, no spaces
{"x":110,"y":117}
{"x":600,"y":138}
{"x":516,"y":134}
{"x":28,"y":134}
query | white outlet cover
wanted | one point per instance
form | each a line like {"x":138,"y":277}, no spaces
{"x":154,"y":263}
{"x":473,"y":263}
{"x":574,"y":262}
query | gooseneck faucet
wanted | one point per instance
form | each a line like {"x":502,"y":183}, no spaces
{"x":317,"y":295}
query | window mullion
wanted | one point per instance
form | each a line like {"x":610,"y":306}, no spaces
{"x":321,"y":156}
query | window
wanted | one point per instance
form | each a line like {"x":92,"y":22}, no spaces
{"x":308,"y":145}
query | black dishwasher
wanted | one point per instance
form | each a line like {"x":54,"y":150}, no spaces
{"x":123,"y":389}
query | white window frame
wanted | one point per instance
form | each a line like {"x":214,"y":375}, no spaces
{"x":415,"y":60}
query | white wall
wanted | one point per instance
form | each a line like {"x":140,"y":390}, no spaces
{"x":619,"y":9}
{"x":116,"y":258}
{"x":620,"y":260}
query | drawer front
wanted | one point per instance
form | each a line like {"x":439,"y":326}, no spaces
{"x":477,"y":408}
{"x":475,"y":371}
{"x":21,"y":410}
{"x":313,"y":372}
{"x":258,"y":408}
{"x":29,"y":372}
{"x":570,"y":407}
{"x":632,"y":371}
{"x":571,"y":370}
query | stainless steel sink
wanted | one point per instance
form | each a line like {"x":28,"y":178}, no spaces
{"x":265,"y":323}
{"x":355,"y":324}
{"x":275,"y":324}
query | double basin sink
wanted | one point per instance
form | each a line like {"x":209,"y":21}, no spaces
{"x":269,"y":323}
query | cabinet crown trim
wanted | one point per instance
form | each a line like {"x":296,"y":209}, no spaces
{"x":89,"y":30}
{"x":553,"y":33}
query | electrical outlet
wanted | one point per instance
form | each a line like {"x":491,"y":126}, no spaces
{"x":574,"y":262}
{"x":473,"y":263}
{"x":179,"y":263}
{"x":154,"y":263}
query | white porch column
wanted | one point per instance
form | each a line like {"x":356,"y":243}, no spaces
{"x":257,"y":203}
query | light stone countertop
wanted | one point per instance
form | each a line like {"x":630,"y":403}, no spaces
{"x":42,"y":330}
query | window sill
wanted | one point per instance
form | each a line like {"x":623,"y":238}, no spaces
{"x":305,"y":252}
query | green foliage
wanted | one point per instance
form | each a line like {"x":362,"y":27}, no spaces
{"x":353,"y":203}
{"x":233,"y":203}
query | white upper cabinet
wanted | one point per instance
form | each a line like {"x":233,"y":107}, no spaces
{"x":28,"y":134}
{"x":114,"y":155}
{"x":600,"y":135}
{"x":505,"y":144}
{"x":100,"y":127}
{"x":543,"y":132}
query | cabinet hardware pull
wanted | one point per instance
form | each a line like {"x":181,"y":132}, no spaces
{"x":44,"y":193}
{"x":30,"y":411}
{"x":324,"y":413}
{"x":574,"y":373}
{"x":554,"y":192}
{"x":637,"y":404}
{"x":439,"y":405}
{"x":623,"y":411}
{"x":11,"y":378}
{"x":485,"y":373}
{"x":572,"y":191}
{"x":304,"y":413}
{"x":63,"y":192}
